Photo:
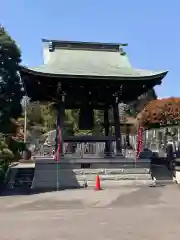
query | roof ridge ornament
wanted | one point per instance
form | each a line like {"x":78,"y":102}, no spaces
{"x":121,"y":50}
{"x":51,"y":46}
{"x":123,"y":44}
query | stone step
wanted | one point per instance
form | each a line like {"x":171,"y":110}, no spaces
{"x":109,"y":171}
{"x":82,"y":183}
{"x":92,"y":177}
{"x":96,"y":171}
{"x":114,"y":183}
{"x":68,"y":178}
{"x":115,"y":177}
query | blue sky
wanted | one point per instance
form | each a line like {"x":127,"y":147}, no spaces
{"x":151,"y":28}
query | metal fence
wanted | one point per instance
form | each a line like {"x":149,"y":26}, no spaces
{"x":156,"y":140}
{"x":88,"y":149}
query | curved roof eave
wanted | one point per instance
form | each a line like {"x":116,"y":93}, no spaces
{"x":147,"y":75}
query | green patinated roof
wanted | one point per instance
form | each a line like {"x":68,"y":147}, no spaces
{"x":77,"y":60}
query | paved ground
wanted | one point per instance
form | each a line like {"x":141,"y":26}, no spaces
{"x":124,"y":213}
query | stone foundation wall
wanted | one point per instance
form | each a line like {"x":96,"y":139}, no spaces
{"x":71,"y":175}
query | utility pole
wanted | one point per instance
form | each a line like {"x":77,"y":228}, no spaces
{"x":24,"y":103}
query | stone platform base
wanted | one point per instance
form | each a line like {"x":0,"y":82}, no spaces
{"x":177,"y":176}
{"x":77,"y":173}
{"x":176,"y":171}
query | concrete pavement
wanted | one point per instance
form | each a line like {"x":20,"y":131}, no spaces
{"x":121,"y":213}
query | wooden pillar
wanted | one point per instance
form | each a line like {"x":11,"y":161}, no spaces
{"x":60,"y":111}
{"x":127,"y":135}
{"x":117,"y":128}
{"x":106,"y":130}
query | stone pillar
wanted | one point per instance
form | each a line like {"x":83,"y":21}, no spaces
{"x":107,"y":151}
{"x":117,"y":128}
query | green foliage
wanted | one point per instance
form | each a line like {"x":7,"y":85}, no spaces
{"x":15,"y":146}
{"x":44,"y":116}
{"x":99,"y":119}
{"x":34,"y":114}
{"x":71,"y":122}
{"x":10,"y":86}
{"x":48,"y":115}
{"x":6,"y":155}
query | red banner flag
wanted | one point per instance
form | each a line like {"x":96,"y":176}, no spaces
{"x":139,"y":141}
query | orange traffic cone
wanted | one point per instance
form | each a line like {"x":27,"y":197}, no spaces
{"x":98,"y":183}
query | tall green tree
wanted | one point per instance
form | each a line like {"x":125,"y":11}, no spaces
{"x":48,"y":115}
{"x":139,"y":104}
{"x":10,"y":86}
{"x":34,"y":114}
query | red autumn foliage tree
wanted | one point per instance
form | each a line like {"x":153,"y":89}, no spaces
{"x":160,"y":112}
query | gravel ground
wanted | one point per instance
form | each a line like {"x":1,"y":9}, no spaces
{"x":121,"y":213}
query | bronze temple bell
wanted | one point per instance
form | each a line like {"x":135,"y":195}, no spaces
{"x":86,"y":118}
